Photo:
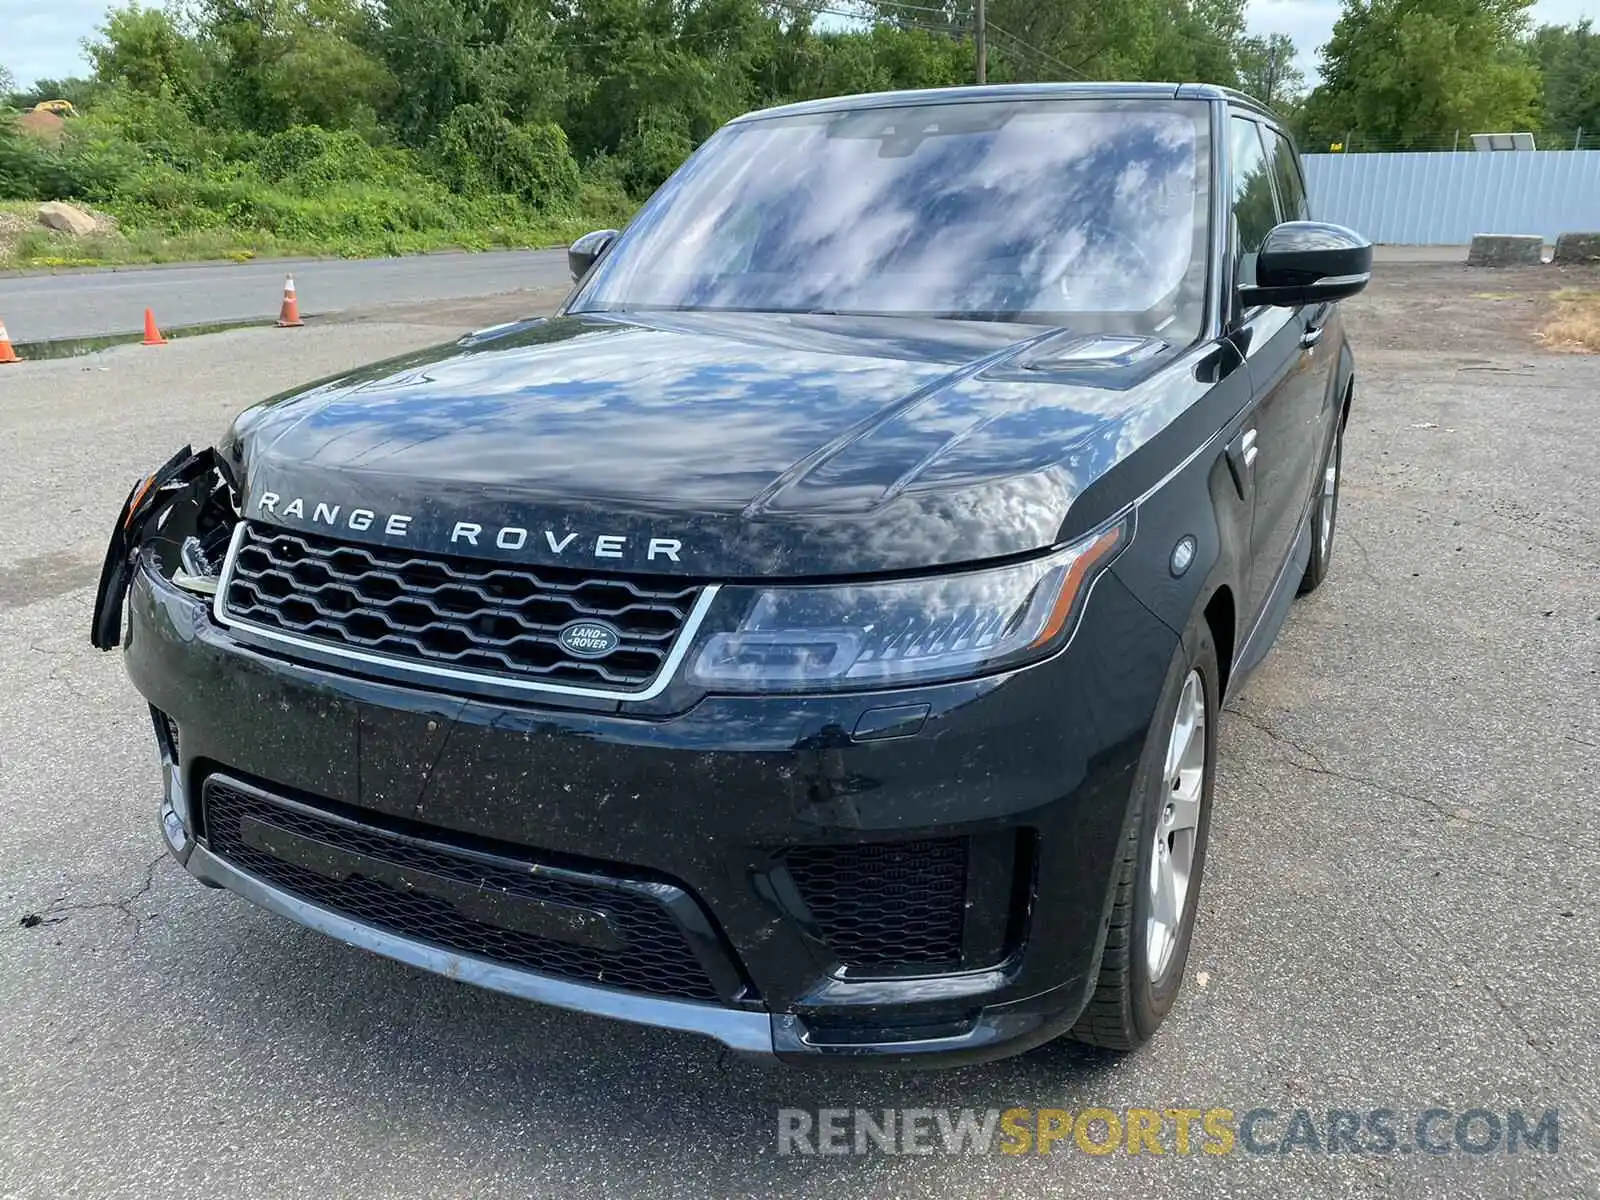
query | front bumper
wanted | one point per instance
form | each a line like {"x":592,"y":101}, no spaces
{"x":1030,"y":771}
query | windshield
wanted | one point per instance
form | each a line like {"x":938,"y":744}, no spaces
{"x":1087,"y":213}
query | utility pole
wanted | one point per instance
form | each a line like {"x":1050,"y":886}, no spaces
{"x":983,"y":45}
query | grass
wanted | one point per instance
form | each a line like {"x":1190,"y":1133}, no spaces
{"x":26,"y":246}
{"x":1575,"y":322}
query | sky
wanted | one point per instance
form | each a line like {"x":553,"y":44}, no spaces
{"x":41,"y":37}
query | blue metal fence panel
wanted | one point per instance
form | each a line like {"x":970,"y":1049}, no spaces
{"x":1444,"y":199}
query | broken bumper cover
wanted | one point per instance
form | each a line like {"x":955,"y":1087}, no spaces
{"x":707,"y":799}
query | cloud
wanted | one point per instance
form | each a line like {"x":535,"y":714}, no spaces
{"x":41,"y":39}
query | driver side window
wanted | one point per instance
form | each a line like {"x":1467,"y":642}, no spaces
{"x":1253,"y":211}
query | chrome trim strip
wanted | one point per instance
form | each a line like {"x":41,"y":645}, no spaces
{"x":750,"y":1032}
{"x":663,"y":679}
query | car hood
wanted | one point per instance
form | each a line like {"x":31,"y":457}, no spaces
{"x":726,"y":445}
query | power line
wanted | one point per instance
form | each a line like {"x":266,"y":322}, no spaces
{"x":1044,"y":54}
{"x":900,"y":22}
{"x":943,"y":12}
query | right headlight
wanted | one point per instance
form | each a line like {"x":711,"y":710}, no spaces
{"x":838,"y":636}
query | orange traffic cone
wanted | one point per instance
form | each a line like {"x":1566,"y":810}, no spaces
{"x":289,"y":314}
{"x":7,"y":354}
{"x":152,"y":335}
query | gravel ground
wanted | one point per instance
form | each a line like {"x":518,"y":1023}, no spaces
{"x":1399,"y":912}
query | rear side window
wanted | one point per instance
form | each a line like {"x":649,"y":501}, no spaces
{"x":1254,"y":213}
{"x":1291,"y":188}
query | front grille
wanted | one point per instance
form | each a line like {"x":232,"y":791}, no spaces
{"x":618,"y":933}
{"x":888,"y":905}
{"x":470,"y":616}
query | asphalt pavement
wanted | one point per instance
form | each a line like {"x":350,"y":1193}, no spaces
{"x":86,"y":304}
{"x":1399,"y":910}
{"x":99,"y":303}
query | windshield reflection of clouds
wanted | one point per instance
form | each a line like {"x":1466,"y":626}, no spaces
{"x":1061,"y":208}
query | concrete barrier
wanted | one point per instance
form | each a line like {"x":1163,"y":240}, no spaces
{"x":1505,"y":250}
{"x":1578,"y":248}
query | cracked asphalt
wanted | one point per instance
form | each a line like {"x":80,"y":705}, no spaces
{"x":1399,"y":910}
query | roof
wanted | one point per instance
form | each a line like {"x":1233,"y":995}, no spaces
{"x":1010,"y":91}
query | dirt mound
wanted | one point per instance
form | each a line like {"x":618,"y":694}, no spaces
{"x":44,"y":125}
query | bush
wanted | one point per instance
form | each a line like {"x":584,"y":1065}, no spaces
{"x":179,"y":189}
{"x":603,"y":194}
{"x":478,"y":152}
{"x":308,"y":159}
{"x":653,"y":151}
{"x":146,"y":126}
{"x":297,"y":147}
{"x":28,"y":168}
{"x":537,"y":166}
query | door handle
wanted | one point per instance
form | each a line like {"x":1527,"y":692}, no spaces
{"x":1311,"y":336}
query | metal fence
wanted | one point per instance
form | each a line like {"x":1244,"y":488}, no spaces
{"x":1443,"y":199}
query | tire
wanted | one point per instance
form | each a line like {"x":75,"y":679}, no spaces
{"x":1325,"y":514}
{"x":1133,"y":994}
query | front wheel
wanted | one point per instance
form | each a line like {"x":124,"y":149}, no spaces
{"x":1158,"y":882}
{"x":1324,"y":515}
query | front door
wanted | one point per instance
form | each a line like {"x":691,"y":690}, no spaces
{"x":1270,"y":448}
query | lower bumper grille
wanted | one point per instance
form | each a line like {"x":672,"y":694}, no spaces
{"x":892,"y":905}
{"x":593,"y":929}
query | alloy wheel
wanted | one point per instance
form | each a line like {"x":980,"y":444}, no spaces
{"x":1330,"y":493}
{"x":1177,"y":826}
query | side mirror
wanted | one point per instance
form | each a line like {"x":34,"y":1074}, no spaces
{"x":1309,"y":262}
{"x":586,"y":251}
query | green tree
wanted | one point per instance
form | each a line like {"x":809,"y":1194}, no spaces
{"x":295,"y":62}
{"x":1404,"y":74}
{"x":1569,"y":59}
{"x":148,"y":50}
{"x":81,"y":92}
{"x":1267,"y":69}
{"x":500,"y":54}
{"x":681,"y":63}
{"x":1074,"y":39}
{"x":8,"y":82}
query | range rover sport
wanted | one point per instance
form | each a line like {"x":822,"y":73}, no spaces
{"x":813,"y":636}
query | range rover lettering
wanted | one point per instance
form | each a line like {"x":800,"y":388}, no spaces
{"x":812,"y":636}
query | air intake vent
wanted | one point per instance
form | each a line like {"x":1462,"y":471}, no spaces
{"x":592,"y":928}
{"x":892,"y":905}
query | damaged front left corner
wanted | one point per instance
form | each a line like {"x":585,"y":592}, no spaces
{"x":184,"y":513}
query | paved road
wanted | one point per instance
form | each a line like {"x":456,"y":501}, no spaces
{"x":79,"y":304}
{"x":1400,"y":907}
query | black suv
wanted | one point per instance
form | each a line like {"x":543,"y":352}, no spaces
{"x":813,"y":636}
